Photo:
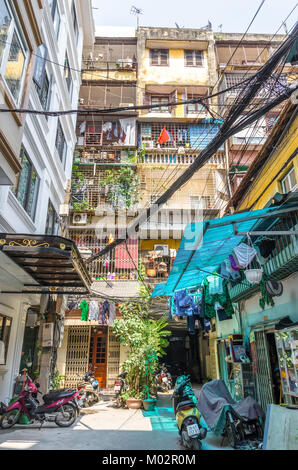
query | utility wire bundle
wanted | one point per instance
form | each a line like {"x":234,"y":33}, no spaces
{"x":241,"y":115}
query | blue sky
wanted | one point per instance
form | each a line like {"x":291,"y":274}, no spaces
{"x":233,"y":15}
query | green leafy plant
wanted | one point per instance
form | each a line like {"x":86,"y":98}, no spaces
{"x":56,"y":380}
{"x":146,"y":342}
{"x":123,"y":185}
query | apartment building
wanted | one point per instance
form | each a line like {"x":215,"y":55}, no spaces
{"x":176,"y":65}
{"x":234,"y":64}
{"x":40,"y":70}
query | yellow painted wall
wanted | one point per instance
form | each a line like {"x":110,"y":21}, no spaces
{"x":174,"y":73}
{"x":110,"y":75}
{"x":284,"y":150}
{"x":149,"y":244}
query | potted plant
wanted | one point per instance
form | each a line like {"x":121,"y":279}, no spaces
{"x":149,"y":402}
{"x":145,"y":339}
{"x":133,"y":400}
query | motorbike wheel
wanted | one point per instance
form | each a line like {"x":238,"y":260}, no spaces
{"x":10,"y":418}
{"x":196,"y":444}
{"x":184,"y":438}
{"x":231,"y":434}
{"x":66,"y":421}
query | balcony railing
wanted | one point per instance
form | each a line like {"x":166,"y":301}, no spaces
{"x":120,"y":64}
{"x":168,"y":159}
{"x":118,"y":264}
{"x":282,"y":262}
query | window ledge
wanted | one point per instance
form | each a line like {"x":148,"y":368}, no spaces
{"x":12,"y":200}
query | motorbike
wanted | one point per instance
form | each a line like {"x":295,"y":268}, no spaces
{"x":163,"y":379}
{"x":120,"y":387}
{"x":59,"y":406}
{"x":187,"y":414}
{"x":237,"y":420}
{"x":88,"y":390}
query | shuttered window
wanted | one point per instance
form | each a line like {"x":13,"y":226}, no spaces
{"x":193,"y":58}
{"x":159,"y":57}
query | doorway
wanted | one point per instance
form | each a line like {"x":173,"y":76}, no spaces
{"x":275,"y":373}
{"x":98,"y":354}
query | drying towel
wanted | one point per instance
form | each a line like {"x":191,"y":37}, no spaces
{"x":244,"y":254}
{"x":93,"y":310}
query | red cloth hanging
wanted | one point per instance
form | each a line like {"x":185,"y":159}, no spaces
{"x":122,"y":258}
{"x":164,"y":136}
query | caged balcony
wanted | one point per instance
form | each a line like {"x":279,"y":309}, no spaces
{"x":282,"y":262}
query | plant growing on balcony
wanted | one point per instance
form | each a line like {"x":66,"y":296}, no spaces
{"x":78,"y":185}
{"x":146,"y":342}
{"x":122,"y":184}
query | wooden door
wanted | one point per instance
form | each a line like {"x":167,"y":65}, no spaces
{"x":98,"y":355}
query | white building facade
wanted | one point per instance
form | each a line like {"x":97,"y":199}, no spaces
{"x":36,"y":165}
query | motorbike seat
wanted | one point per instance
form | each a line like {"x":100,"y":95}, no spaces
{"x":57,"y":394}
{"x":184,"y":403}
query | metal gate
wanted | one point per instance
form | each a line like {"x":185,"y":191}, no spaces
{"x":77,"y":355}
{"x":263,"y":376}
{"x":113,"y":359}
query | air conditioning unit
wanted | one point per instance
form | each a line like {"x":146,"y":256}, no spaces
{"x":122,"y":105}
{"x":85,"y":252}
{"x":80,"y":218}
{"x":80,"y":141}
{"x":149,"y":144}
{"x":163,"y":249}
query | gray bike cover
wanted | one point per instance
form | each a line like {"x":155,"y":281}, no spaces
{"x":215,"y":400}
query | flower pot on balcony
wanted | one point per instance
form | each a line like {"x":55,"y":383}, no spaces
{"x":254,"y":276}
{"x":134,"y":403}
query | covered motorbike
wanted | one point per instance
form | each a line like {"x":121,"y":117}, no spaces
{"x":225,"y":416}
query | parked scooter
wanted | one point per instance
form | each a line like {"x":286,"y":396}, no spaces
{"x":163,"y":379}
{"x":120,"y":387}
{"x":187,"y":414}
{"x":59,"y":406}
{"x":88,"y":390}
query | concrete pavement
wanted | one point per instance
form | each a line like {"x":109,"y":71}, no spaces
{"x":104,"y":427}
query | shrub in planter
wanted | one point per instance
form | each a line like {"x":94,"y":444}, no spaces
{"x":145,"y":339}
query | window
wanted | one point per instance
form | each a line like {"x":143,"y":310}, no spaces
{"x":27,"y":186}
{"x":52,"y":223}
{"x":289,"y":183}
{"x":13,"y":51}
{"x":67,"y":75}
{"x":159,"y":57}
{"x":75,"y":21}
{"x":194,"y":108}
{"x":53,"y":4}
{"x":200,"y":202}
{"x":40,"y":78}
{"x":162,"y":101}
{"x":193,"y":58}
{"x":5,"y":327}
{"x":60,"y":144}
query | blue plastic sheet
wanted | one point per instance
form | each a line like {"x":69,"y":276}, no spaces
{"x":205,"y":245}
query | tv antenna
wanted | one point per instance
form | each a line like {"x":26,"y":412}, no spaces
{"x":137,"y":12}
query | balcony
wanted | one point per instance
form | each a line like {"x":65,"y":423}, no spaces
{"x":104,"y":158}
{"x":182,"y":137}
{"x":115,"y":132}
{"x":117,"y":265}
{"x":162,"y":158}
{"x":280,"y":264}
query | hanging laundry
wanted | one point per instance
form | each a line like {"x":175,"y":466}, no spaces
{"x":233,"y":274}
{"x":115,"y":129}
{"x":93,"y":311}
{"x":105,"y":313}
{"x":244,"y":254}
{"x":107,"y":127}
{"x":128,"y":131}
{"x":233,"y":263}
{"x":164,"y":136}
{"x":184,"y":304}
{"x":223,"y":299}
{"x":84,"y":310}
{"x":215,"y":284}
{"x":220,"y":312}
{"x":112,"y":316}
{"x":266,"y":246}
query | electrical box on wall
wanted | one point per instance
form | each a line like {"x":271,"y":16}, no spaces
{"x":47,"y":335}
